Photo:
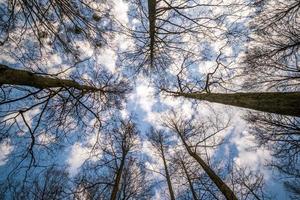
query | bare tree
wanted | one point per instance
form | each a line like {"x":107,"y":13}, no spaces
{"x":185,"y":168}
{"x":117,"y":174}
{"x":52,"y":183}
{"x":34,"y":104}
{"x":272,"y":57}
{"x":167,"y":29}
{"x":280,"y":135}
{"x":125,"y":141}
{"x":185,"y":130}
{"x":159,"y":141}
{"x":53,"y":22}
{"x":135,"y":183}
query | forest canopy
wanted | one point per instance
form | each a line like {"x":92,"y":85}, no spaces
{"x":149,"y":99}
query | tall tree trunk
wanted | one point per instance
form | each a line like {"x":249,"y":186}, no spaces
{"x":172,"y":195}
{"x":152,"y":19}
{"x":223,"y":187}
{"x":284,"y":103}
{"x":22,"y":77}
{"x":116,"y":186}
{"x":189,"y":180}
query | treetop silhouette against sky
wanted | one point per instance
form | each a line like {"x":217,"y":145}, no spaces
{"x":149,"y":99}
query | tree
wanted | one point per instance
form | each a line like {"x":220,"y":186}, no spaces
{"x":284,"y":103}
{"x":54,"y":23}
{"x":37,"y":104}
{"x":249,"y":184}
{"x":52,"y":183}
{"x":117,"y":174}
{"x":159,"y":141}
{"x":127,"y":135}
{"x":167,"y":29}
{"x":271,"y":62}
{"x":12,"y":76}
{"x":185,"y":129}
{"x":272,"y":58}
{"x":135,"y":183}
{"x":280,"y":135}
{"x":183,"y":169}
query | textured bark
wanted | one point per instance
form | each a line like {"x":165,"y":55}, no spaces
{"x":117,"y":181}
{"x":284,"y":103}
{"x":223,"y":187}
{"x":22,"y":77}
{"x":152,"y":19}
{"x":189,"y":181}
{"x":172,"y":195}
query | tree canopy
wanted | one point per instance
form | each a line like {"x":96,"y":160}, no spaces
{"x":149,"y":99}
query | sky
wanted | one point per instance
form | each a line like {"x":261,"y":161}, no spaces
{"x":148,"y":106}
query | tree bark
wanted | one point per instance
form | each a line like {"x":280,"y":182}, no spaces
{"x":22,"y":77}
{"x":116,"y":186}
{"x":284,"y":103}
{"x":223,"y":187}
{"x":189,"y":180}
{"x":172,"y":195}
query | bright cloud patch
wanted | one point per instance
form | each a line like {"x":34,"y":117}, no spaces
{"x":120,"y":10}
{"x":5,"y":148}
{"x":254,"y":159}
{"x":107,"y":57}
{"x":77,"y":157}
{"x":80,"y":152}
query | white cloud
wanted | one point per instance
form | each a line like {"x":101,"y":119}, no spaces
{"x":254,"y":159}
{"x":80,"y":152}
{"x":107,"y":57}
{"x":207,"y":66}
{"x":77,"y":157}
{"x":120,"y":10}
{"x":5,"y":148}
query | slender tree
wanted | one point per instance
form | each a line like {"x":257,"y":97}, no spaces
{"x":184,"y":129}
{"x":51,"y":183}
{"x":280,"y":135}
{"x":126,"y":143}
{"x":166,"y":29}
{"x":183,"y":169}
{"x":159,"y":141}
{"x":112,"y":176}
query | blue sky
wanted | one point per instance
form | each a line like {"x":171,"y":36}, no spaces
{"x":144,"y":103}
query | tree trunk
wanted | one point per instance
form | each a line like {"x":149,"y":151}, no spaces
{"x":284,"y":103}
{"x":223,"y":187}
{"x":22,"y":77}
{"x":189,"y":180}
{"x":152,"y":19}
{"x":172,"y":196}
{"x":116,"y":186}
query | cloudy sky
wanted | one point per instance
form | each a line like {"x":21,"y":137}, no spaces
{"x":145,"y":103}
